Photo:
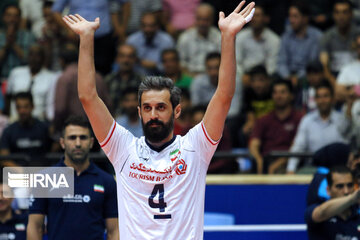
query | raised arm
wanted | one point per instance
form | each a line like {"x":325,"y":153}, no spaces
{"x":219,"y":105}
{"x":98,"y":114}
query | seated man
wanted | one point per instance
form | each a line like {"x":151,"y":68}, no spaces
{"x":28,"y":135}
{"x":337,"y":218}
{"x":276,"y":130}
{"x":12,"y":223}
{"x":321,"y":127}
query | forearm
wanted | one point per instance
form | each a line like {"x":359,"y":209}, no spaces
{"x":332,"y":208}
{"x":86,"y":68}
{"x":18,"y":51}
{"x":34,"y":232}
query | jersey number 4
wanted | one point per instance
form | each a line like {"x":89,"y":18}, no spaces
{"x":161,"y":204}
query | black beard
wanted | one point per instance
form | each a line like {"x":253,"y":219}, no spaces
{"x":159,"y":133}
{"x":78,"y":160}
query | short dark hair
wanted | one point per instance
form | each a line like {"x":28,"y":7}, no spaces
{"x":325,"y":84}
{"x":24,"y":95}
{"x":160,"y":83}
{"x":129,"y":90}
{"x":301,"y":6}
{"x":77,"y":120}
{"x":11,"y":5}
{"x":337,"y":169}
{"x":170,"y":50}
{"x":212,"y":55}
{"x":69,"y":54}
{"x":48,"y":4}
{"x":286,"y":83}
{"x":258,"y":70}
{"x":314,"y":67}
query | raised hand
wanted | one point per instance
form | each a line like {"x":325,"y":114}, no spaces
{"x":80,"y":25}
{"x":233,"y":23}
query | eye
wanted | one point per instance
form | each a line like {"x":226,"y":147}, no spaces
{"x":161,"y":107}
{"x":147,"y":108}
{"x":84,"y":137}
{"x":71,"y":137}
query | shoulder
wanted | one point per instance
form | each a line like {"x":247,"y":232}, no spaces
{"x":190,"y":33}
{"x":134,"y":37}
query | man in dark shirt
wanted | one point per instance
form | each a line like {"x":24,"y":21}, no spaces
{"x":12,"y":223}
{"x":276,"y":130}
{"x":28,"y":135}
{"x":92,"y":209}
{"x":337,"y":218}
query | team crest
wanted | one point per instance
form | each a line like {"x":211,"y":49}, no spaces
{"x":181,"y":167}
{"x":175,"y":155}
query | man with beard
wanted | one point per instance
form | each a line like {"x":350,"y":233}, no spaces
{"x":160,"y":177}
{"x":149,"y":42}
{"x":321,"y":127}
{"x":276,"y":130}
{"x":92,"y":209}
{"x":129,"y":118}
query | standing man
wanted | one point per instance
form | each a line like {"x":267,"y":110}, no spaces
{"x":92,"y":209}
{"x":157,"y":175}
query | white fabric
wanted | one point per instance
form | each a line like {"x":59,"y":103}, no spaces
{"x":19,"y":81}
{"x":182,"y":175}
{"x":350,"y":74}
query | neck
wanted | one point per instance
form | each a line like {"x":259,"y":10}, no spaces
{"x":257,"y":32}
{"x":283,"y":113}
{"x":302,"y":32}
{"x":79,"y":168}
{"x":6,"y":215}
{"x":344,"y":30}
{"x":325,"y":115}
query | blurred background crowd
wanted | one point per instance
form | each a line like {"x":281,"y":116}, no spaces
{"x":298,"y":74}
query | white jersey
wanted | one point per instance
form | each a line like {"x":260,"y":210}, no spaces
{"x":160,"y":194}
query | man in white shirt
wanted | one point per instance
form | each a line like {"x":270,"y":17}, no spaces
{"x":160,"y":177}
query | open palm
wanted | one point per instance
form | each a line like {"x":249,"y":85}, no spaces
{"x":80,"y":25}
{"x":236,"y":20}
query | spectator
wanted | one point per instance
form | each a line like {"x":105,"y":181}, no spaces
{"x":320,"y":13}
{"x":92,"y":209}
{"x":305,"y":99}
{"x":195,"y":43}
{"x":66,"y":99}
{"x":138,"y":8}
{"x":184,"y":122}
{"x":12,"y":223}
{"x":107,"y":11}
{"x":127,"y":75}
{"x":149,"y":42}
{"x":257,"y":102}
{"x":338,"y":217}
{"x":217,"y":165}
{"x":257,"y":45}
{"x":53,"y":37}
{"x":349,"y":74}
{"x":28,"y":135}
{"x":14,"y":42}
{"x":129,"y":117}
{"x":178,"y":15}
{"x":276,"y":130}
{"x":203,"y":86}
{"x":172,"y":69}
{"x":299,"y":44}
{"x":321,"y":127}
{"x":336,"y":44}
{"x":31,"y":11}
{"x":34,"y":78}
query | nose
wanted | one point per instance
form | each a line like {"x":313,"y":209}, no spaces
{"x":346,"y":190}
{"x":154,"y":114}
{"x":77,"y":142}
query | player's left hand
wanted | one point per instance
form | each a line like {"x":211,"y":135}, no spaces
{"x":233,"y":23}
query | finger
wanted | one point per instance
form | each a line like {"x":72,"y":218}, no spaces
{"x":74,"y":18}
{"x":249,"y":17}
{"x":68,"y":20}
{"x":79,"y":17}
{"x":221,"y":15}
{"x":249,"y":9}
{"x":238,"y":8}
{"x":245,"y":9}
{"x":97,"y":19}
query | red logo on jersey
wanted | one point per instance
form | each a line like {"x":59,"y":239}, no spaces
{"x":181,"y":167}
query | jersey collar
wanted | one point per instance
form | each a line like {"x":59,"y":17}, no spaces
{"x":159,"y":149}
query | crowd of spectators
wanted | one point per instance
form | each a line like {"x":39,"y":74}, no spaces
{"x":297,"y":89}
